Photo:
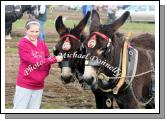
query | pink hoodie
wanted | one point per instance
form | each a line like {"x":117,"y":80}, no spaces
{"x":34,"y":64}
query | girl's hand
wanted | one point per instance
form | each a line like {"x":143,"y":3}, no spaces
{"x":59,"y":58}
{"x":52,"y":59}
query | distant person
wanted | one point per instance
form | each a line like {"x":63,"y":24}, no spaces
{"x":42,"y":19}
{"x":35,"y":63}
{"x":111,"y":12}
{"x":85,"y":9}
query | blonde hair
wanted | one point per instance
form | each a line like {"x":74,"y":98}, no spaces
{"x":30,"y":22}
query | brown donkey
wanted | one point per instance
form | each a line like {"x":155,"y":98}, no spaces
{"x":70,"y":45}
{"x":108,"y":58}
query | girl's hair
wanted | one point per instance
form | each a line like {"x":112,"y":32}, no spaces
{"x":30,"y":22}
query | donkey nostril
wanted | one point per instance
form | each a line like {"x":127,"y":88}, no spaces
{"x":92,"y":79}
{"x":71,"y":78}
{"x":67,"y":79}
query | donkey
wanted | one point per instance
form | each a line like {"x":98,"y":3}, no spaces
{"x":70,"y":46}
{"x":103,"y":67}
{"x":13,"y":13}
{"x":145,"y":41}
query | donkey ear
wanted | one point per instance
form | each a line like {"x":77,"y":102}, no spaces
{"x":95,"y":21}
{"x":78,"y":29}
{"x":119,"y":22}
{"x":60,"y":27}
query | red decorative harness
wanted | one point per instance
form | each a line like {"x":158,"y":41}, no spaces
{"x":69,"y":35}
{"x":102,"y":35}
{"x":92,"y":42}
{"x":66,"y":45}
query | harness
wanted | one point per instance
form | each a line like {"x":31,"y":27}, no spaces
{"x":66,"y":47}
{"x":72,"y":62}
{"x":102,"y":76}
{"x":129,"y":65}
{"x":92,"y":43}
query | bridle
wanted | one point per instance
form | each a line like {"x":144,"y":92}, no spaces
{"x":102,"y":76}
{"x":73,"y":62}
{"x":106,"y":48}
{"x":68,"y":62}
{"x":67,"y":36}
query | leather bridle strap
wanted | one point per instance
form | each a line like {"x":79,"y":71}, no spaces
{"x":69,"y":35}
{"x":102,"y":35}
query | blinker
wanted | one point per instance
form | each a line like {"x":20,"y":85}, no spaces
{"x":92,"y":42}
{"x":66,"y":45}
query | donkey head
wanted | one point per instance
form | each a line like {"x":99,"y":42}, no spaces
{"x":103,"y":47}
{"x":70,"y":45}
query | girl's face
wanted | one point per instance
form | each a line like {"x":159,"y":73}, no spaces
{"x":33,"y":32}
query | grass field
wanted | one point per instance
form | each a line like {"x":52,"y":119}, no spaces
{"x":50,"y":26}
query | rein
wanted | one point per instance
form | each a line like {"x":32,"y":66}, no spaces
{"x":102,"y":76}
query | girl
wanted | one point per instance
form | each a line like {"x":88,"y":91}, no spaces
{"x":33,"y":69}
